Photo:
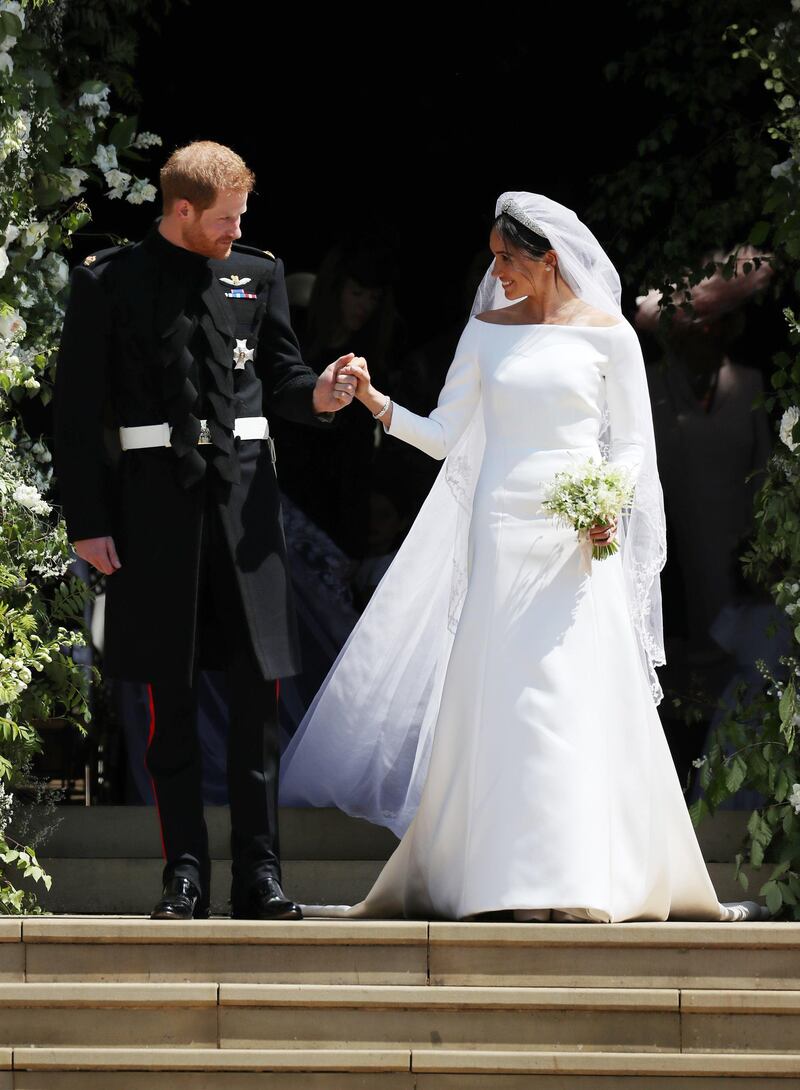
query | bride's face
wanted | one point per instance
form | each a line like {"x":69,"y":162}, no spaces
{"x":520,"y":274}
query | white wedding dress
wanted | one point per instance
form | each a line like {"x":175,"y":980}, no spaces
{"x":550,"y":785}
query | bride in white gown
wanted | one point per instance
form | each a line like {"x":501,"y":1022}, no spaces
{"x":495,"y":706}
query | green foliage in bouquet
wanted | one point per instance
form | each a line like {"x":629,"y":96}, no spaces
{"x":721,"y":168}
{"x":59,"y":135}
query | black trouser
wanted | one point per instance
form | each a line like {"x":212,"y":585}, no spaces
{"x":173,"y":753}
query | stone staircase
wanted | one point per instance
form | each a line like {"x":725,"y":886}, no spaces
{"x":93,"y":1002}
{"x":124,"y":1003}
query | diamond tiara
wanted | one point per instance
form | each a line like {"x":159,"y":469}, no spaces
{"x":512,"y":208}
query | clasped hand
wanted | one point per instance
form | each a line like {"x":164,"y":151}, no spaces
{"x":336,"y":386}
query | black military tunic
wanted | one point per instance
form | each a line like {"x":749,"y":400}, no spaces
{"x":154,"y":334}
{"x":150,"y":336}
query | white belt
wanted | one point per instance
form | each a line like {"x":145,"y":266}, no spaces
{"x":158,"y":435}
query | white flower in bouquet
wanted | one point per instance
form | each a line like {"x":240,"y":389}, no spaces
{"x":6,"y":808}
{"x":105,"y":157}
{"x":788,"y":421}
{"x":3,"y":261}
{"x":590,"y":494}
{"x":96,"y":101}
{"x":33,"y":237}
{"x":15,"y":136}
{"x":56,"y":270}
{"x":12,"y":324}
{"x":41,"y":453}
{"x":794,"y":798}
{"x":117,"y":182}
{"x":146,"y":140}
{"x":27,"y":496}
{"x":73,"y":184}
{"x":141,"y":191}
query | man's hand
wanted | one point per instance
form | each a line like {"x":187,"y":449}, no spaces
{"x":333,"y":391}
{"x":99,"y":552}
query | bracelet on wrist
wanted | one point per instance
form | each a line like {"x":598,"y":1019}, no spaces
{"x":384,"y":410}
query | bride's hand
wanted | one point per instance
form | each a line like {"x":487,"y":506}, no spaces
{"x":603,"y":534}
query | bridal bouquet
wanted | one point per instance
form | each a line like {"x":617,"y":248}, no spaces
{"x":587,"y":495}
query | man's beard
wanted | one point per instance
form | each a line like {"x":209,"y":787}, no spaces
{"x":200,"y":243}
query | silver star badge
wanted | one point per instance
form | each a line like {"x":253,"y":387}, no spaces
{"x":236,"y":281}
{"x":241,"y":354}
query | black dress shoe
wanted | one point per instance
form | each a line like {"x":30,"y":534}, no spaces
{"x":180,"y":900}
{"x":264,"y":901}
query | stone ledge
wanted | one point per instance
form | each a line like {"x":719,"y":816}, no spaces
{"x":210,"y":1059}
{"x":78,"y":996}
{"x":708,"y":1001}
{"x":669,"y":934}
{"x":409,"y":997}
{"x":101,"y":930}
{"x":605,"y":1063}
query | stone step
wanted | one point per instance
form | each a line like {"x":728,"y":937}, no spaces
{"x":233,"y":951}
{"x":138,"y":1015}
{"x":131,"y":832}
{"x":132,"y":886}
{"x":379,"y":1017}
{"x":423,"y":1069}
{"x":640,"y":955}
{"x":637,"y":955}
{"x":106,"y":859}
{"x":631,"y":1019}
{"x":120,"y":886}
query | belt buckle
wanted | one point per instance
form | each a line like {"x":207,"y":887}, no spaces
{"x":204,"y":438}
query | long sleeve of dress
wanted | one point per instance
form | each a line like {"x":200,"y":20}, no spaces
{"x":438,"y":433}
{"x":628,"y":400}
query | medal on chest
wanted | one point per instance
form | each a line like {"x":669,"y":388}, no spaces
{"x":237,"y":285}
{"x":241,"y":354}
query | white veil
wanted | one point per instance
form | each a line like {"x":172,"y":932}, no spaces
{"x":364,"y":744}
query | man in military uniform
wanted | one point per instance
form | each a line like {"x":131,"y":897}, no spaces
{"x":175,"y":353}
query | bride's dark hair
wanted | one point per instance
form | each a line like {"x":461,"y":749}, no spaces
{"x":520,"y":236}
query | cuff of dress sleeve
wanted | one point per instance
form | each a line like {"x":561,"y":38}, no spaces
{"x":399,"y":425}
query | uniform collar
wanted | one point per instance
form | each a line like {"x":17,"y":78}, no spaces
{"x":177,"y":256}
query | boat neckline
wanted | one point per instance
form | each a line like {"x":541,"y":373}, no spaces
{"x":545,"y":325}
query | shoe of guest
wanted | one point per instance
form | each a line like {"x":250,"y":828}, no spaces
{"x":180,"y":900}
{"x":264,"y":901}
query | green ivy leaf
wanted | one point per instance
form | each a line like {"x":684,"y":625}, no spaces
{"x":91,"y":87}
{"x":759,"y":233}
{"x":735,"y":774}
{"x":123,"y":132}
{"x":10,"y":24}
{"x":774,"y":897}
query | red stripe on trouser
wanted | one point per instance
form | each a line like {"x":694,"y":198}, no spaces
{"x":152,"y":781}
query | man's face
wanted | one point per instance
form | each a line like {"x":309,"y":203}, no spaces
{"x":212,"y":232}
